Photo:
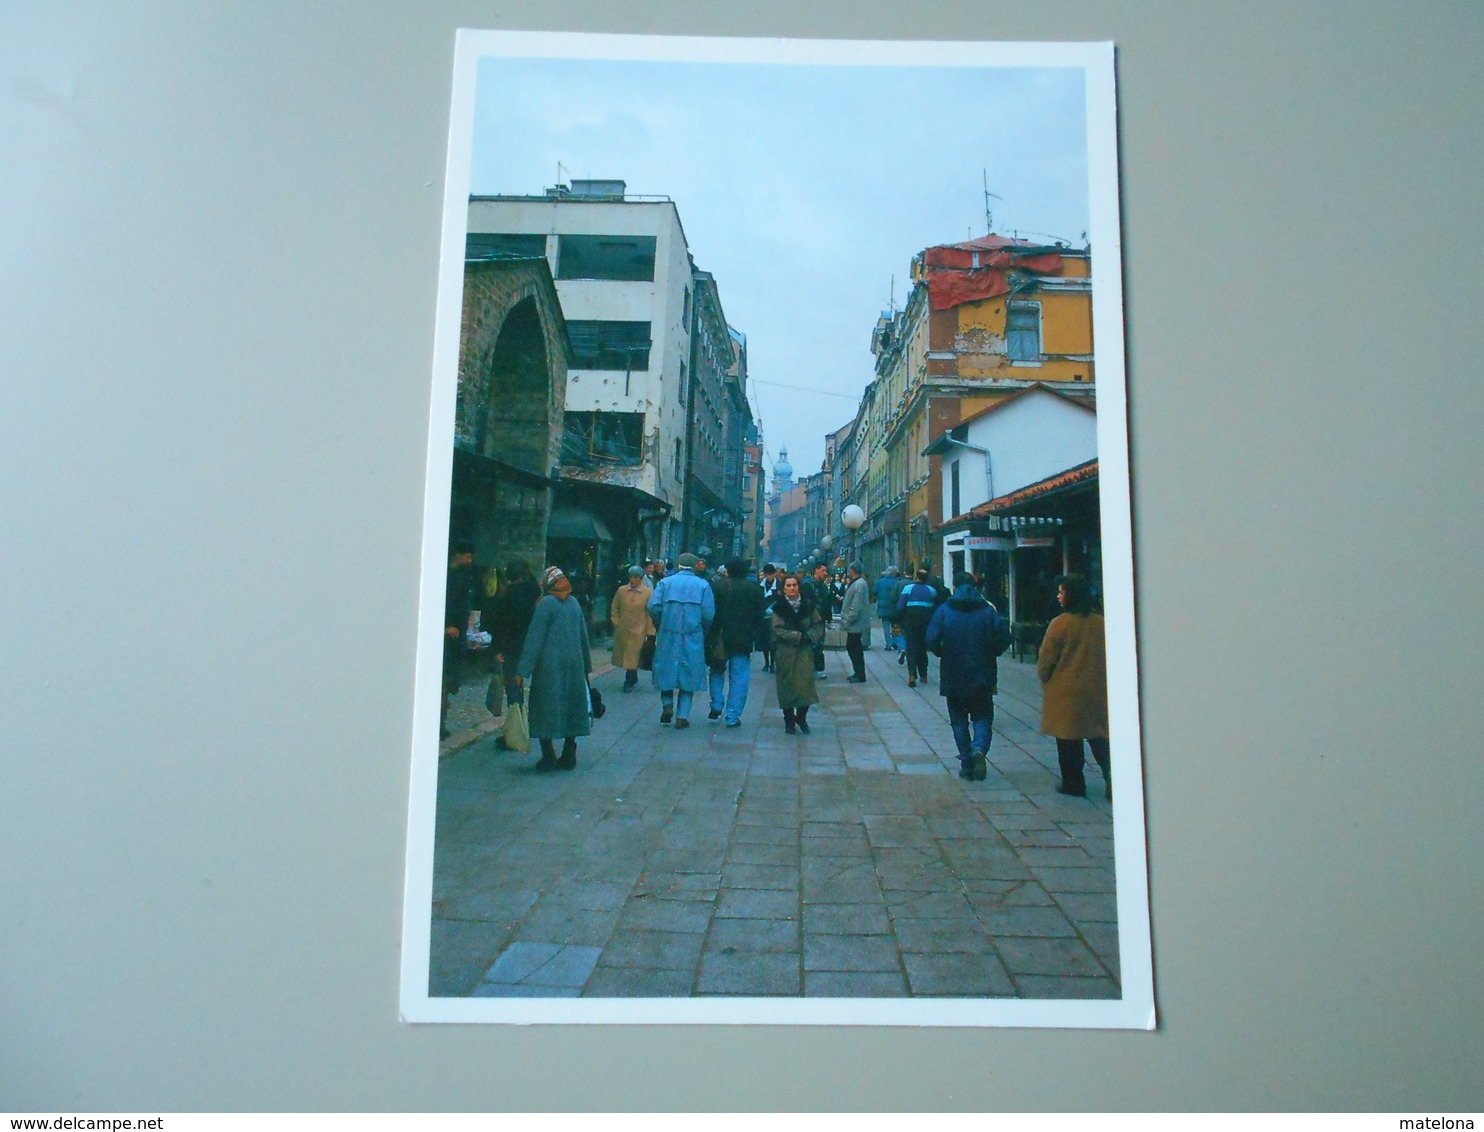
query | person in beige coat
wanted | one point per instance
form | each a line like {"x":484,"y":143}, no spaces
{"x":631,"y":625}
{"x":1073,"y":666}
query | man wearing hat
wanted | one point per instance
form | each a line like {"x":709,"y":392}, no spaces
{"x":682,"y":608}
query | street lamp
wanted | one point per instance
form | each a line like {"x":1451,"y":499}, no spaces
{"x":853,"y":518}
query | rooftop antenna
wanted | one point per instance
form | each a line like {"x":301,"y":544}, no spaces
{"x":560,"y":169}
{"x":892,"y":301}
{"x":988,"y":212}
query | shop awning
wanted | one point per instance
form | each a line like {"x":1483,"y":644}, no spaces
{"x":577,"y":523}
{"x":1046,"y":498}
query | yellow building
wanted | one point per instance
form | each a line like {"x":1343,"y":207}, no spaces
{"x":984,"y":319}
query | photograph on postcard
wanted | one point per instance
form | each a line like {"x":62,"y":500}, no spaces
{"x":778,"y":506}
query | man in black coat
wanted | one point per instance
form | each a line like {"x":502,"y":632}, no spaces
{"x":513,"y":611}
{"x":739,"y":614}
{"x":817,"y":590}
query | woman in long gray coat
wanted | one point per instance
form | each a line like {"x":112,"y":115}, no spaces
{"x":556,"y":662}
{"x":797,"y":628}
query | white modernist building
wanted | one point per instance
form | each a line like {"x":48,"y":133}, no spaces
{"x":624,"y":279}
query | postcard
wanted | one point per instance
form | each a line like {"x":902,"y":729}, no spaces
{"x":778,"y":514}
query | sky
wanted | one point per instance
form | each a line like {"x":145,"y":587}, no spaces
{"x":804,"y":189}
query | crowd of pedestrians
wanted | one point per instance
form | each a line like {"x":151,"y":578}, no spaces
{"x":695,"y":629}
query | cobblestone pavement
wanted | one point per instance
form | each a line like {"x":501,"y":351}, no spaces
{"x":851,"y":862}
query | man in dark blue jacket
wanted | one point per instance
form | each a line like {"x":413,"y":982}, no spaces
{"x":915,"y":607}
{"x":968,"y":634}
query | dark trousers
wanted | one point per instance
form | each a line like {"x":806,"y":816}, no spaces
{"x":916,"y":632}
{"x":856,"y":650}
{"x":1069,"y":755}
{"x":819,"y":653}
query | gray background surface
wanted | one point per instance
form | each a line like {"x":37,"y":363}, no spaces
{"x":220,"y":232}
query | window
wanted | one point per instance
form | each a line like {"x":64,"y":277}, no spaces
{"x":609,"y":345}
{"x":629,"y":258}
{"x":482,"y":245}
{"x":679,"y":471}
{"x":953,"y":489}
{"x":682,"y":383}
{"x":607,"y":438}
{"x":685,"y":309}
{"x":1023,"y":332}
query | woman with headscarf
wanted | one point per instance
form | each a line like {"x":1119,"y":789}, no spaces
{"x":556,"y":662}
{"x":797,"y":629}
{"x":631,"y":625}
{"x":1073,"y":667}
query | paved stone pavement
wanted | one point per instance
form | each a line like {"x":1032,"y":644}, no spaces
{"x":852,"y":862}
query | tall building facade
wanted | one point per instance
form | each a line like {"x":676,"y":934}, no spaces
{"x":719,"y":423}
{"x":984,"y":319}
{"x":624,"y":277}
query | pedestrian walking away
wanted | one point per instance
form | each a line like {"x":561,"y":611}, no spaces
{"x":914,"y":610}
{"x":797,"y":628}
{"x":740,"y":606}
{"x":886,"y":591}
{"x":855,"y":618}
{"x":1073,"y":667}
{"x":969,"y":635}
{"x":555,"y":663}
{"x":632,"y":626}
{"x":682,"y":608}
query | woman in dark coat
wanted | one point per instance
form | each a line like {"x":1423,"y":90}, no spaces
{"x":797,"y":629}
{"x":556,"y":661}
{"x":511,"y":617}
{"x":1073,"y":667}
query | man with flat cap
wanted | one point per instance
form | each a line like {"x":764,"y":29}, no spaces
{"x":682,"y":609}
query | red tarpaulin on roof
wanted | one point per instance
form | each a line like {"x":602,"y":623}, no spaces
{"x":961,"y":273}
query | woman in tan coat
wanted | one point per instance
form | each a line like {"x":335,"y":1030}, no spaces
{"x":1073,"y":667}
{"x":631,"y":625}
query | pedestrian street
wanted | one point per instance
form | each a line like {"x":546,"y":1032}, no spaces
{"x":850,"y":862}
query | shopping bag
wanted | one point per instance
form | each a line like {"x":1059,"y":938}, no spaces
{"x":596,"y":707}
{"x":515,"y":734}
{"x":646,"y":655}
{"x":494,"y":696}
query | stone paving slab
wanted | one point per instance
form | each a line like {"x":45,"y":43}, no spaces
{"x":849,"y":863}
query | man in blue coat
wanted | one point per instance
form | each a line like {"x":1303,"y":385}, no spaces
{"x":682,"y":608}
{"x":968,"y":634}
{"x":888,"y":589}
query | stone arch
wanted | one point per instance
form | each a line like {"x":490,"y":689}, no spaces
{"x":512,"y":365}
{"x":515,"y":423}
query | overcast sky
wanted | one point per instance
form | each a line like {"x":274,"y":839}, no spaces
{"x":803,"y":189}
